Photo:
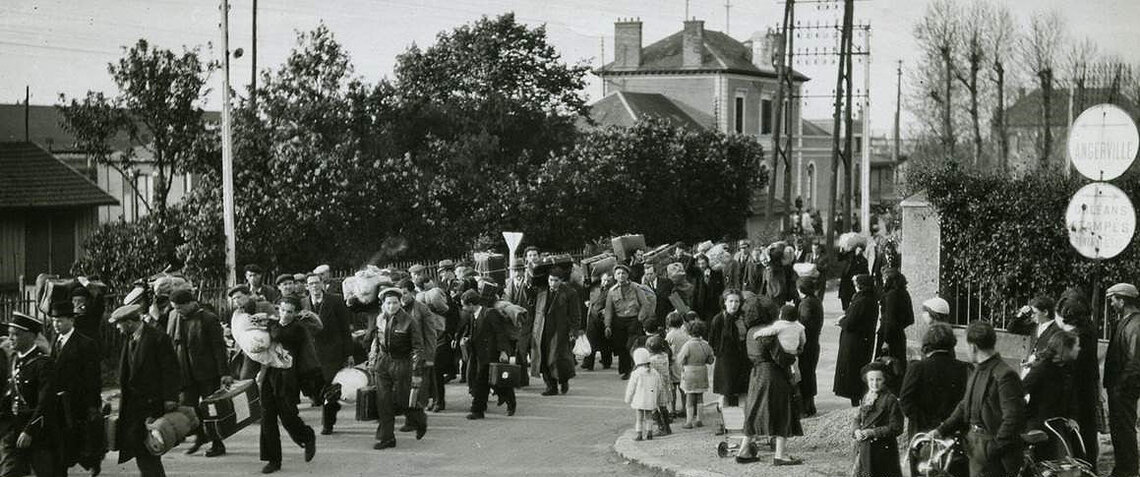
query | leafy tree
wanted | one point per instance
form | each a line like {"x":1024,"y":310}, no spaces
{"x":157,"y":111}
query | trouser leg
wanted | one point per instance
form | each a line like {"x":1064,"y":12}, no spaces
{"x":438,"y":390}
{"x":331,"y":405}
{"x":385,"y":403}
{"x":1122,"y":425}
{"x":270,"y":439}
{"x":192,"y":396}
{"x":478,"y":387}
{"x":149,"y":465}
{"x":619,"y":341}
{"x":291,"y":420}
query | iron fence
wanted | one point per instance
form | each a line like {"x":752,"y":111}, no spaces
{"x":973,"y":302}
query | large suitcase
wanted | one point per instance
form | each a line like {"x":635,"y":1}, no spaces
{"x":626,"y":244}
{"x":493,"y":265}
{"x":505,"y":374}
{"x":366,"y":404}
{"x":228,"y":411}
{"x":51,"y":289}
{"x":542,"y":270}
{"x":598,"y":264}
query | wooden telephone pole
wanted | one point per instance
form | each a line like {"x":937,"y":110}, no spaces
{"x":781,"y":132}
{"x":841,"y":150}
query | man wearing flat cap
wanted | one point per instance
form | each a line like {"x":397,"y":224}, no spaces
{"x":78,"y":383}
{"x":29,"y":419}
{"x":201,"y":350}
{"x":486,"y":336}
{"x":88,"y":313}
{"x":286,"y":285}
{"x":1122,"y":377}
{"x":395,"y":357}
{"x":857,"y":340}
{"x":255,"y":279}
{"x":626,"y":308}
{"x":149,"y":378}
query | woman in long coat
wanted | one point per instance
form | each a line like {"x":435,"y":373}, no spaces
{"x":897,"y":314}
{"x":811,"y":316}
{"x":771,"y":408}
{"x":933,"y":386}
{"x":1077,"y":317}
{"x":556,"y":322}
{"x":708,"y":285}
{"x":856,"y":265}
{"x":726,"y":335}
{"x":857,"y":340}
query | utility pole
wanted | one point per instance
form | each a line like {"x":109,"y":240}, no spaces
{"x":253,"y":62}
{"x":686,"y":11}
{"x":782,"y":133}
{"x":842,"y":112}
{"x":27,"y":113}
{"x":865,"y":171}
{"x":898,"y":109}
{"x":227,"y":154}
{"x":727,"y":9}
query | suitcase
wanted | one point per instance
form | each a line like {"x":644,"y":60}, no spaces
{"x":366,"y":404}
{"x":542,"y":270}
{"x":493,"y":265}
{"x":505,"y":374}
{"x":599,"y":264}
{"x":626,"y":244}
{"x":228,"y":411}
{"x":50,"y":289}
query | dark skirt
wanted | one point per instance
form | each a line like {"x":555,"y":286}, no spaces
{"x":730,"y":372}
{"x":772,"y":408}
{"x":807,"y":363}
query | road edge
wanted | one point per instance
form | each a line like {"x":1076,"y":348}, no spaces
{"x":628,"y":450}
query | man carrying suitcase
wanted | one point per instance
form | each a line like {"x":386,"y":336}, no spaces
{"x":201,"y":350}
{"x":487,"y":336}
{"x":395,"y":358}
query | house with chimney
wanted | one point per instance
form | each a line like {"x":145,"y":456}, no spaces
{"x":700,"y":78}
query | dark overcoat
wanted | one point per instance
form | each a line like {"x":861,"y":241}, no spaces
{"x":811,"y":316}
{"x":148,"y":380}
{"x":856,"y":344}
{"x":78,"y":376}
{"x":556,"y":320}
{"x":726,"y":335}
{"x":334,"y":341}
{"x":878,"y":455}
{"x":930,"y":390}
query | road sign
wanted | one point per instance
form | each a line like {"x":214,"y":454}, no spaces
{"x":1100,"y":220}
{"x":1103,"y":142}
{"x":513,"y":239}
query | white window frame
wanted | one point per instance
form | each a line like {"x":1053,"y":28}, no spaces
{"x":739,"y":112}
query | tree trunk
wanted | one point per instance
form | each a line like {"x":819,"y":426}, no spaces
{"x":1046,"y":78}
{"x":947,"y":123}
{"x":999,"y":115}
{"x":975,"y":66}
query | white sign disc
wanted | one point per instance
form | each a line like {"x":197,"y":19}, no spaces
{"x":1100,"y":220}
{"x":1103,"y":142}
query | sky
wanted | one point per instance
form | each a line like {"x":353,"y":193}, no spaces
{"x":64,"y":46}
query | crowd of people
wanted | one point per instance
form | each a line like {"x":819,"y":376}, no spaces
{"x":754,"y":314}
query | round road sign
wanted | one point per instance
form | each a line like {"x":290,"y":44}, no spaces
{"x":1100,"y":220}
{"x":1103,"y":142}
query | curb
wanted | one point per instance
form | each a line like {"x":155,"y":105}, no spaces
{"x":626,"y":448}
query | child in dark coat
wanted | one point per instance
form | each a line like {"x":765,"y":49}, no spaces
{"x":877,"y":426}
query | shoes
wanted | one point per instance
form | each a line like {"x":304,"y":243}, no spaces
{"x":97,"y":469}
{"x":638,"y":437}
{"x":686,"y":426}
{"x":587,"y":368}
{"x":384,"y":445}
{"x":564,"y":386}
{"x":439,"y":408}
{"x":662,"y":432}
{"x":747,"y":458}
{"x":310,"y":449}
{"x":511,"y":408}
{"x":649,"y":435}
{"x":788,"y":461}
{"x":406,"y":428}
{"x":271,"y":468}
{"x":720,"y":431}
{"x":216,"y":451}
{"x":471,"y":416}
{"x":625,"y":376}
{"x":194,"y":447}
{"x":699,"y":424}
{"x":550,"y":392}
{"x":326,"y":431}
{"x":421,"y":431}
{"x":606,"y":366}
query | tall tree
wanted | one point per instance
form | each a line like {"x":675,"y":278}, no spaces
{"x":158,"y":110}
{"x":937,"y":34}
{"x":972,"y":49}
{"x":1040,"y":50}
{"x":1000,"y":38}
{"x":1080,"y":64}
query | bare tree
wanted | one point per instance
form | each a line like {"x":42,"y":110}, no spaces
{"x":971,"y":49}
{"x":1040,"y":49}
{"x":1000,"y":39}
{"x":937,"y":35}
{"x":1080,"y":70}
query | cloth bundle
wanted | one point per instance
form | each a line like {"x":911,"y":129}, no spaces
{"x":254,"y":341}
{"x":164,"y":433}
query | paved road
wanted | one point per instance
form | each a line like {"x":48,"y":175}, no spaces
{"x":561,"y":435}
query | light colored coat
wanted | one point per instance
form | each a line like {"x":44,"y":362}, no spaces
{"x":643,"y":390}
{"x":694,"y":359}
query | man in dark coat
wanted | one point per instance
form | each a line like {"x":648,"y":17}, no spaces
{"x":29,"y":421}
{"x":1041,"y":328}
{"x":933,"y":386}
{"x":88,"y":310}
{"x":819,"y":259}
{"x":396,"y":355}
{"x":856,"y":265}
{"x":811,"y":316}
{"x":1122,"y":377}
{"x":486,"y":337}
{"x":857,"y":340}
{"x":708,"y":284}
{"x":897,"y":314}
{"x":556,"y":326}
{"x":662,"y":288}
{"x":737,"y":268}
{"x":280,"y":387}
{"x":201,"y":350}
{"x":149,"y":378}
{"x":255,"y":280}
{"x":595,"y":324}
{"x":993,"y":410}
{"x":78,"y":383}
{"x":333,"y":344}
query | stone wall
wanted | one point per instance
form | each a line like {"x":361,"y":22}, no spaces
{"x":920,"y":249}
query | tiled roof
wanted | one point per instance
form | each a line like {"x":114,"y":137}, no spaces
{"x":827,"y":126}
{"x":45,"y":127}
{"x":624,"y":109}
{"x":721,"y":53}
{"x":32,"y":177}
{"x":1026,"y":111}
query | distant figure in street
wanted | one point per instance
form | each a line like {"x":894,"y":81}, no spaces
{"x":877,"y":426}
{"x":396,"y":355}
{"x":857,"y":340}
{"x":897,"y":313}
{"x":254,"y":279}
{"x":933,"y":386}
{"x":595,"y":324}
{"x":333,"y":343}
{"x":78,"y":376}
{"x":727,"y":335}
{"x":556,"y":326}
{"x":856,"y":265}
{"x":627,"y":306}
{"x":487,"y":338}
{"x":992,"y":413}
{"x":811,"y":316}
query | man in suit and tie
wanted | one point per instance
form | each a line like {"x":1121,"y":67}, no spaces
{"x":662,"y":288}
{"x":486,"y":337}
{"x":519,"y":290}
{"x":78,"y":383}
{"x":1122,"y":377}
{"x":149,"y":378}
{"x":816,"y":257}
{"x":992,"y":412}
{"x":1043,"y":326}
{"x":201,"y":350}
{"x":736,"y":269}
{"x":333,"y":343}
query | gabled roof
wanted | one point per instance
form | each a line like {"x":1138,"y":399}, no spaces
{"x":45,"y":127}
{"x":32,"y":177}
{"x":828,"y":125}
{"x":721,"y":54}
{"x":624,"y":109}
{"x":1027,"y":110}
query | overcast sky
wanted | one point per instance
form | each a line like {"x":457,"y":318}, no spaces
{"x":63,"y":46}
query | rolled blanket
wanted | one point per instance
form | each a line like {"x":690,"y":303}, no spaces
{"x":254,"y":341}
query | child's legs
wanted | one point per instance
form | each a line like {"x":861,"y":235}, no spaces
{"x":637,"y":421}
{"x":698,"y":400}
{"x":690,"y":407}
{"x":781,"y":447}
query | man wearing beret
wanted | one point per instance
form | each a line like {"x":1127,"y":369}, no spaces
{"x":396,"y":356}
{"x":149,"y":378}
{"x":626,"y":308}
{"x":286,"y":286}
{"x":29,"y":418}
{"x":254,"y":279}
{"x":1122,"y":377}
{"x":201,"y":350}
{"x":78,"y":383}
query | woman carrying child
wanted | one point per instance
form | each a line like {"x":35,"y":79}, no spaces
{"x":771,"y":408}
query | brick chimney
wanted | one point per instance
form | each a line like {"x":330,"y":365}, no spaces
{"x":764,"y":48}
{"x":693,"y":45}
{"x":627,"y":43}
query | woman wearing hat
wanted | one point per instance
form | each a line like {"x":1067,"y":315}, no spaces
{"x":857,"y":340}
{"x":897,"y":314}
{"x":856,"y":264}
{"x":770,"y":408}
